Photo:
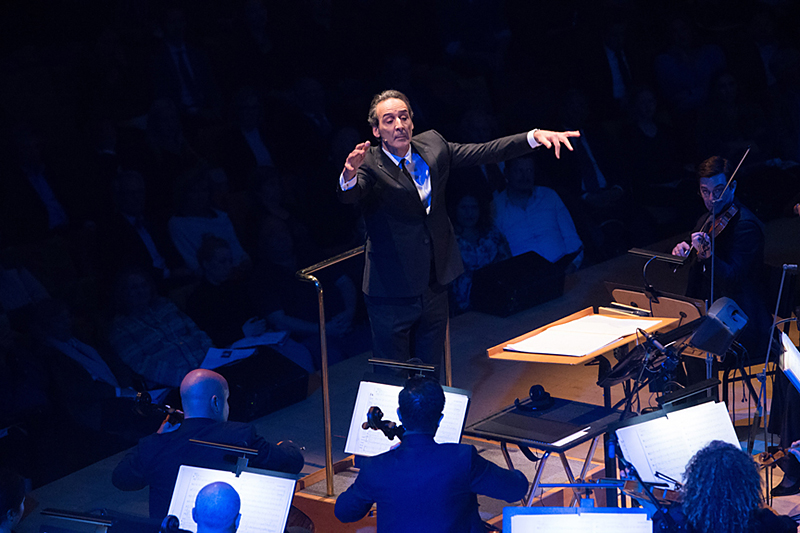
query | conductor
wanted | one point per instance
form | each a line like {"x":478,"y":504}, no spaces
{"x":411,"y":250}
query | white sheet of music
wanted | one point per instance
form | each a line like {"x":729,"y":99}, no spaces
{"x":582,"y":336}
{"x":265,"y":499}
{"x":581,"y":523}
{"x":369,"y":442}
{"x":666,"y":444}
{"x":790,"y":360}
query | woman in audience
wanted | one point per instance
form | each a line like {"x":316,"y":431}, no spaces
{"x":480,"y":242}
{"x":151,"y":335}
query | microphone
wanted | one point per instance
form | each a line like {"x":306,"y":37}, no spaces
{"x":672,"y":359}
{"x":790,"y":268}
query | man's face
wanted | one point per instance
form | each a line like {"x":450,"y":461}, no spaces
{"x":520,"y":175}
{"x":711,"y":189}
{"x":394,"y":127}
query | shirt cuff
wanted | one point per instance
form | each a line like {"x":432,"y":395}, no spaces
{"x":533,"y":142}
{"x":347,"y":185}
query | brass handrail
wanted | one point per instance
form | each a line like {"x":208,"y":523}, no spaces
{"x":306,"y":275}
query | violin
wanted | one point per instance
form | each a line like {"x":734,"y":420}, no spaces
{"x":664,"y":496}
{"x":765,"y":459}
{"x":720,"y":222}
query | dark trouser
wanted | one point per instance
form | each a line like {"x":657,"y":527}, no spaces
{"x":403,"y":328}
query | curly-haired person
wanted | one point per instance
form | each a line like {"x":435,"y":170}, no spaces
{"x":722,"y":494}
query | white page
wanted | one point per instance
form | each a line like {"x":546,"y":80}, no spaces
{"x":217,"y":357}
{"x":581,"y":336}
{"x":369,"y":442}
{"x":607,"y":324}
{"x":703,"y":423}
{"x":667,"y":444}
{"x":265,"y":499}
{"x":559,"y":342}
{"x":790,"y":360}
{"x":581,"y":523}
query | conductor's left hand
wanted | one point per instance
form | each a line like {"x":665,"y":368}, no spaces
{"x":554,"y":139}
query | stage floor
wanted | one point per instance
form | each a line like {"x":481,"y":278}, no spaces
{"x":494,"y":384}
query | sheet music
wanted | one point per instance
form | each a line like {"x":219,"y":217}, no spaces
{"x":667,"y":444}
{"x":790,"y":360}
{"x":265,"y":499}
{"x":369,"y":442}
{"x":704,"y":423}
{"x":581,"y":523}
{"x":582,"y":336}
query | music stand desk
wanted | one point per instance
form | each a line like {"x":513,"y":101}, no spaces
{"x":498,"y":352}
{"x":557,"y":429}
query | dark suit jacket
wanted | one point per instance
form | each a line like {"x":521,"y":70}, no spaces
{"x":425,"y":486}
{"x":738,"y":274}
{"x":402,"y":240}
{"x":121,"y":247}
{"x":155,"y":461}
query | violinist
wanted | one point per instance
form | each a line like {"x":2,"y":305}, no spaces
{"x":738,"y":257}
{"x":722,"y":494}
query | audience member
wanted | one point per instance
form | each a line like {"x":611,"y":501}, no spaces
{"x":684,"y":70}
{"x":36,"y":198}
{"x":12,"y":500}
{"x":150,"y":334}
{"x":216,"y":509}
{"x":249,"y":143}
{"x":162,"y":156}
{"x":228,"y":308}
{"x":479,"y":126}
{"x":479,"y":242}
{"x":534,"y":218}
{"x":196,"y":217}
{"x":181,"y":71}
{"x":729,"y":123}
{"x":452,"y":474}
{"x":722,"y":494}
{"x":221,"y":305}
{"x":129,"y":237}
{"x":155,"y":461}
{"x":85,"y":388}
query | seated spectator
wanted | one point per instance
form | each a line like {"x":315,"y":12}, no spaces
{"x":479,"y":241}
{"x":248,"y":144}
{"x":131,"y":238}
{"x":85,"y":387}
{"x":534,"y":218}
{"x":225,"y":308}
{"x":155,"y":461}
{"x":12,"y":500}
{"x":196,"y":217}
{"x":180,"y":71}
{"x":150,"y":334}
{"x":728,"y":123}
{"x":19,"y":290}
{"x":161,"y":156}
{"x":722,"y":494}
{"x":216,"y":509}
{"x":684,"y":70}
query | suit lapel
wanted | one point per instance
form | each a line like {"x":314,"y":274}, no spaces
{"x":389,"y":167}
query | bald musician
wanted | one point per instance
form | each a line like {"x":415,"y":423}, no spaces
{"x":155,"y":461}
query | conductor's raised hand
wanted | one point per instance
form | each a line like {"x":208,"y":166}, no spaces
{"x":554,"y":139}
{"x":354,"y":160}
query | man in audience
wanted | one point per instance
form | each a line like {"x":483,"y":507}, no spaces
{"x":534,"y":218}
{"x":216,"y":509}
{"x":424,"y":486}
{"x":157,"y":458}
